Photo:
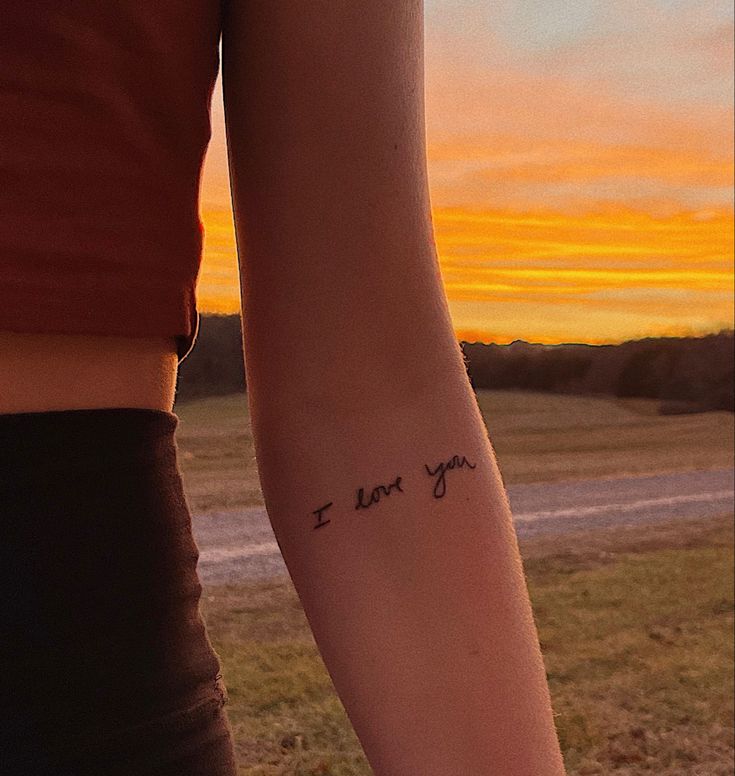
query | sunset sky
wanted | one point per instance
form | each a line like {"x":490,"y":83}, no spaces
{"x":580,"y":160}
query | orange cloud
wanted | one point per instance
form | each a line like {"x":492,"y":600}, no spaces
{"x":561,"y":160}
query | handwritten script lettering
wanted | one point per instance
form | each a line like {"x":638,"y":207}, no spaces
{"x":318,"y":513}
{"x":380,"y":490}
{"x":455,"y":462}
{"x":364,"y":499}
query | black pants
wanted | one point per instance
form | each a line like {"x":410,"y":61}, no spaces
{"x":105,"y":664}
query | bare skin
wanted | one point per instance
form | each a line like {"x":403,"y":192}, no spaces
{"x":43,"y":372}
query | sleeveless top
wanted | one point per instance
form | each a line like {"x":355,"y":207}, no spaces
{"x":104,"y":124}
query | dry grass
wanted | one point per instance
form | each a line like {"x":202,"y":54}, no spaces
{"x":636,"y":628}
{"x":538,"y":438}
{"x":544,"y":437}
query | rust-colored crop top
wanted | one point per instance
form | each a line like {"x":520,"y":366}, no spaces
{"x":104,"y":123}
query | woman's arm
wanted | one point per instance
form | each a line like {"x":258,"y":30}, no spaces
{"x":378,"y":476}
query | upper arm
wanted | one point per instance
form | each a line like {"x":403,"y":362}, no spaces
{"x":324,"y":115}
{"x":324,"y":119}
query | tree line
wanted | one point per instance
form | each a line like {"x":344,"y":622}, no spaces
{"x":686,"y":374}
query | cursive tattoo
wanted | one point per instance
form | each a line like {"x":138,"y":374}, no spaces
{"x":318,"y":513}
{"x":365,"y":500}
{"x":380,"y":490}
{"x":440,"y":487}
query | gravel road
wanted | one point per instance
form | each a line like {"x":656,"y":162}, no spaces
{"x":239,"y":545}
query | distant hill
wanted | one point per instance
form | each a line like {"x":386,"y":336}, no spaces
{"x":687,"y":374}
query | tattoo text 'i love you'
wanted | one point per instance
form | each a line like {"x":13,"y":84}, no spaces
{"x":368,"y":497}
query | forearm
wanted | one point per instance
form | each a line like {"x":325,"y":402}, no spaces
{"x":395,"y":529}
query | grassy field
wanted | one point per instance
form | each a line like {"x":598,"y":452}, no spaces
{"x":636,"y":629}
{"x":635,"y":622}
{"x":538,"y":438}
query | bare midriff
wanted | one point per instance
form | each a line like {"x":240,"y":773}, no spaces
{"x":42,"y":372}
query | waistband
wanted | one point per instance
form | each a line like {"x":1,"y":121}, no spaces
{"x":94,"y":438}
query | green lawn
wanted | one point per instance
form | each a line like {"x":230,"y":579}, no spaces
{"x":538,"y":437}
{"x":636,"y":630}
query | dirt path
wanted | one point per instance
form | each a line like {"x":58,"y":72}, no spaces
{"x":239,"y":545}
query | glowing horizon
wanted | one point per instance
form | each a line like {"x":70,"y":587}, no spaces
{"x":581,"y":168}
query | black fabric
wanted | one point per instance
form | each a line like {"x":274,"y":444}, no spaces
{"x":105,"y":663}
